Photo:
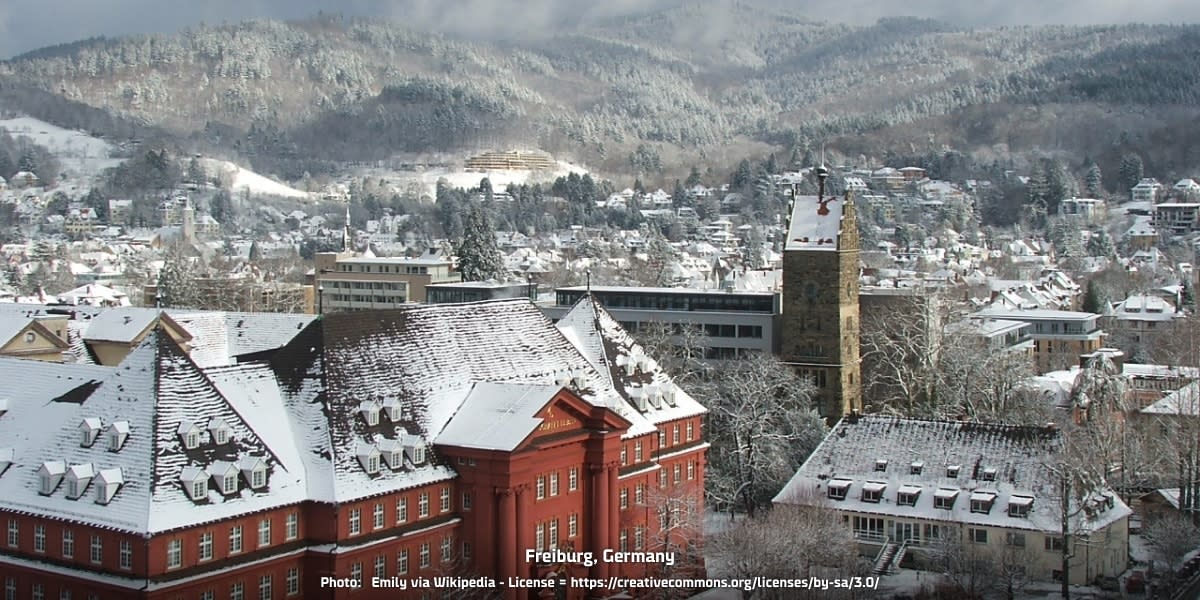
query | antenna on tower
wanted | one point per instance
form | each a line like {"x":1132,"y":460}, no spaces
{"x":822,"y":173}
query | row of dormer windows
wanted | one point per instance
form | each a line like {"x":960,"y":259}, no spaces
{"x":952,"y":471}
{"x":907,"y":495}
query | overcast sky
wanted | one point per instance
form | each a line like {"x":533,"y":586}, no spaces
{"x":29,"y":24}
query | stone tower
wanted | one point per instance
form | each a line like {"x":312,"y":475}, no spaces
{"x":820,"y":331}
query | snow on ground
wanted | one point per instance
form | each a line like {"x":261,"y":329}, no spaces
{"x":77,"y":152}
{"x":500,"y":179}
{"x":245,"y":179}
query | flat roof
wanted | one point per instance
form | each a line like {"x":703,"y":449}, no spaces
{"x":659,"y":290}
{"x":1040,"y":314}
{"x":395,"y":260}
{"x":478,"y":284}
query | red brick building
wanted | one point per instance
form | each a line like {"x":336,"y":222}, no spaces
{"x":433,"y":441}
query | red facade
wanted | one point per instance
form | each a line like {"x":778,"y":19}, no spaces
{"x":574,"y":485}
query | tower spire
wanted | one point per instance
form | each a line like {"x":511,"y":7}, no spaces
{"x":346,"y":238}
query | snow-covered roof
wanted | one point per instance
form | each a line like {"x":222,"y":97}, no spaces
{"x":1184,"y":401}
{"x":1016,"y":457}
{"x":1036,"y":315}
{"x":814,"y":224}
{"x":218,"y":337}
{"x":497,"y":416}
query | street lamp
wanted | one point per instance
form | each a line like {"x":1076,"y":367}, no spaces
{"x":320,"y":299}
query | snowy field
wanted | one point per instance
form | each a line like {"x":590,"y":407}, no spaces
{"x":79,"y":153}
{"x":244,"y":179}
{"x":427,"y":179}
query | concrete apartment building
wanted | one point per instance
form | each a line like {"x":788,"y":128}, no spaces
{"x":1060,"y":337}
{"x":733,"y":323}
{"x":348,"y":281}
{"x":906,"y":487}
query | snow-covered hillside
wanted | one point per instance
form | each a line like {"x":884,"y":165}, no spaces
{"x":242,"y":179}
{"x":78,"y":153}
{"x":500,"y":179}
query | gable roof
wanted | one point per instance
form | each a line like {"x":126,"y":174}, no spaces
{"x":128,"y":324}
{"x":153,"y":391}
{"x":497,"y":416}
{"x":1016,"y":455}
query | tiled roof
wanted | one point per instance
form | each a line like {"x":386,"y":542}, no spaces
{"x":1017,"y":456}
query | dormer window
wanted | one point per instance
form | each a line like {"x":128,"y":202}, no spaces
{"x":907,"y":495}
{"x":89,"y":430}
{"x":108,"y":482}
{"x":989,"y":474}
{"x":944,"y":499}
{"x":219,"y":430}
{"x":255,"y":471}
{"x":952,"y":471}
{"x":981,"y":502}
{"x":78,"y":477}
{"x":225,"y":474}
{"x":393,"y":409}
{"x":368,"y":457}
{"x":50,"y":475}
{"x":189,"y":433}
{"x":1018,"y":506}
{"x":195,"y":483}
{"x":370,"y":412}
{"x":881,"y":465}
{"x":392,"y":453}
{"x":873,"y":491}
{"x":414,"y":448}
{"x":838,"y":489}
{"x":916,"y":468}
{"x":118,"y":432}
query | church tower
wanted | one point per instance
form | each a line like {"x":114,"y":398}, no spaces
{"x":820,"y":330}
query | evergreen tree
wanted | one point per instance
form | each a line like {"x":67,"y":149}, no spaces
{"x":1093,"y":299}
{"x":679,"y":196}
{"x":1131,"y":170}
{"x":255,"y":252}
{"x":479,"y":257}
{"x":221,"y":207}
{"x":176,"y":286}
{"x":1093,"y":181}
{"x":1187,"y":295}
{"x":693,"y":178}
{"x":1101,"y":244}
{"x":485,"y":188}
{"x":742,"y":177}
{"x":195,"y":172}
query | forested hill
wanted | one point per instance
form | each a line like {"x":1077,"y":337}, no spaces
{"x":682,"y":82}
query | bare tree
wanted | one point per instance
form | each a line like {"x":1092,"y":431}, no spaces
{"x":901,"y":350}
{"x":678,"y":348}
{"x":969,"y":566}
{"x":763,"y":425}
{"x":1171,"y":538}
{"x":779,"y":544}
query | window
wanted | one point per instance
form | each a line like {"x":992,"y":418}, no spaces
{"x":381,"y":566}
{"x":207,"y":595}
{"x":624,"y":455}
{"x":573,"y":479}
{"x":445,"y":499}
{"x":466,"y":551}
{"x":541,"y":487}
{"x":292,"y":581}
{"x":979,"y":536}
{"x":982,"y":503}
{"x":191,"y":440}
{"x":39,"y":538}
{"x":662,"y":438}
{"x":933,"y":532}
{"x":97,"y":549}
{"x":10,"y":588}
{"x":689,"y":431}
{"x":838,"y":489}
{"x":553,"y":534}
{"x":872,"y":492}
{"x":199,"y":489}
{"x":639,"y":494}
{"x":68,"y":543}
{"x":423,"y":505}
{"x":539,"y":536}
{"x":231,"y":483}
{"x":467,"y":501}
{"x":264,"y":533}
{"x":907,"y":498}
{"x":639,"y":537}
{"x":1053,"y":544}
{"x":916,"y":468}
{"x":952,"y":471}
{"x":292,"y":528}
{"x":424,"y":555}
{"x":259,"y":477}
{"x":206,"y":548}
{"x":637,"y":452}
{"x":174,"y":554}
{"x":662,"y":477}
{"x":677,"y":474}
{"x":1018,"y":506}
{"x":39,"y":592}
{"x":14,"y":533}
{"x":447,"y":548}
{"x":554,"y":483}
{"x":691,"y":472}
{"x":356,"y":573}
{"x":624,"y":498}
{"x":989,"y":474}
{"x":402,"y":562}
{"x":573,"y":526}
{"x":235,"y":539}
{"x":1014,"y":539}
{"x":623,"y":541}
{"x":264,"y":587}
{"x":675,"y":434}
{"x":126,"y":554}
{"x":881,"y":465}
{"x":944,"y":499}
{"x":222,"y":435}
{"x":378,"y":523}
{"x":402,"y":510}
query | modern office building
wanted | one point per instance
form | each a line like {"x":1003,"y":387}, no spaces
{"x":349,"y":281}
